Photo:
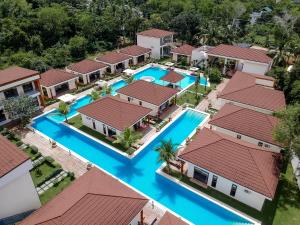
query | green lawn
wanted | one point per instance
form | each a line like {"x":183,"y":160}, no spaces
{"x":283,"y":210}
{"x":55,"y":190}
{"x":77,"y":122}
{"x":45,"y":171}
{"x":188,"y":97}
{"x":201,"y":88}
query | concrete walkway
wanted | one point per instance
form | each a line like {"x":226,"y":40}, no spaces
{"x":212,"y":97}
{"x":68,"y":161}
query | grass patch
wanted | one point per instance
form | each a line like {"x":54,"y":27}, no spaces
{"x":40,"y":173}
{"x":32,"y":154}
{"x":76,"y":121}
{"x":55,"y":190}
{"x":188,"y":97}
{"x":284,"y":209}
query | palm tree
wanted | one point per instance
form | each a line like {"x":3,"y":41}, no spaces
{"x":107,"y":89}
{"x":63,"y":109}
{"x":130,"y":80}
{"x":95,"y":95}
{"x":167,"y":152}
{"x":127,"y":138}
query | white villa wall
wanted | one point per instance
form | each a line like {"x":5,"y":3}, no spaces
{"x":17,"y":192}
{"x":87,"y":121}
{"x":253,"y":67}
{"x":243,"y":194}
{"x":221,"y":102}
{"x":150,"y":42}
{"x":266,"y":146}
{"x":136,"y":220}
{"x":51,"y":93}
{"x":85,"y":76}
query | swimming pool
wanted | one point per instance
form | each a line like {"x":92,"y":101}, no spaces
{"x":140,"y":172}
{"x":117,"y":85}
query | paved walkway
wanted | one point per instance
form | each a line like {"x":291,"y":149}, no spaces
{"x":212,"y":97}
{"x":65,"y":159}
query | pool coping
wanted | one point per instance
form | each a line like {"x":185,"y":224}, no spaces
{"x":160,"y":172}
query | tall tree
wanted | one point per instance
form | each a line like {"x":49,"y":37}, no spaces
{"x":167,"y":152}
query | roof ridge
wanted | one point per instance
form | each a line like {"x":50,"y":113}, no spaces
{"x":240,"y":109}
{"x":239,"y":90}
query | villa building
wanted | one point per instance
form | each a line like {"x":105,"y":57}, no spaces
{"x":172,"y":78}
{"x":18,"y":195}
{"x":139,"y":54}
{"x":183,"y":53}
{"x":55,"y":82}
{"x":16,"y":81}
{"x":248,"y":125}
{"x":234,"y":167}
{"x":87,"y":70}
{"x":111,"y":115}
{"x":159,"y":41}
{"x":170,"y":219}
{"x":116,"y":61}
{"x":156,"y":97}
{"x":94,"y":198}
{"x":252,"y":91}
{"x":247,"y":60}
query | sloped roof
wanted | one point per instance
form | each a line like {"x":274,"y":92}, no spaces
{"x":243,"y":163}
{"x":135,"y":50}
{"x":242,"y":88}
{"x":148,"y":92}
{"x":55,"y":76}
{"x":236,"y":52}
{"x":86,"y":66}
{"x":184,"y":49}
{"x":156,"y":33}
{"x":172,"y":77}
{"x":10,"y":156}
{"x":15,"y":73}
{"x":113,"y":58}
{"x":115,"y":112}
{"x":170,"y":219}
{"x":247,"y":122}
{"x":94,"y":198}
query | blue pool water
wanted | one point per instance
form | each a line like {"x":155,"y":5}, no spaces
{"x":117,"y":85}
{"x":139,"y":172}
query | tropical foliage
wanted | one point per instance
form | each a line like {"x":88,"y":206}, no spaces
{"x":63,"y":109}
{"x":127,"y":138}
{"x":95,"y":95}
{"x":167,"y":152}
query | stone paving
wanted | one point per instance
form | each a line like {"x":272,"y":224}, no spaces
{"x":49,"y":183}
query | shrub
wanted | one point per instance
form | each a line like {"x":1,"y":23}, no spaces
{"x":19,"y":143}
{"x":49,"y":159}
{"x":55,"y":164}
{"x":17,"y":137}
{"x":55,"y":183}
{"x":38,"y":172}
{"x":71,"y":175}
{"x":34,"y":149}
{"x":10,"y":136}
{"x":4,"y":131}
{"x":36,"y":156}
{"x":215,"y":76}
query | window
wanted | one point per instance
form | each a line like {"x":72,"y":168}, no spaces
{"x":233,"y":190}
{"x":201,"y":175}
{"x":267,"y":146}
{"x":128,"y":99}
{"x":260,"y":144}
{"x":141,"y":103}
{"x":2,"y":116}
{"x":27,"y":87}
{"x":214,"y":181}
{"x":94,"y":125}
{"x":10,"y":93}
{"x":238,"y":136}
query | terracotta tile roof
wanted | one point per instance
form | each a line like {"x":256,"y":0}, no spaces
{"x":148,"y":92}
{"x":247,"y":122}
{"x":86,"y":66}
{"x":183,"y":50}
{"x":236,"y":52}
{"x":94,"y":198}
{"x":242,"y":88}
{"x":170,"y":219}
{"x":115,"y":112}
{"x":113,"y":58}
{"x":10,"y":156}
{"x":156,"y":33}
{"x":15,"y":73}
{"x":172,"y":77}
{"x":135,"y":50}
{"x":243,"y":163}
{"x":55,"y":76}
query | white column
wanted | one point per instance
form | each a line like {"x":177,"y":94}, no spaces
{"x":20,"y":90}
{"x":224,"y":68}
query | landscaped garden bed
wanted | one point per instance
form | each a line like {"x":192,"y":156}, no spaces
{"x":189,"y":97}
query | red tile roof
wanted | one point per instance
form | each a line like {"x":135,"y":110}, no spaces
{"x":15,"y":73}
{"x":243,"y":163}
{"x":183,"y":50}
{"x":236,"y":52}
{"x":170,"y":219}
{"x":242,"y":88}
{"x":113,"y":58}
{"x":94,"y":198}
{"x":135,"y":50}
{"x":55,"y":76}
{"x":86,"y":66}
{"x":115,"y":112}
{"x":172,"y":77}
{"x":10,"y":156}
{"x":148,"y":92}
{"x":247,"y":122}
{"x":156,"y":33}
